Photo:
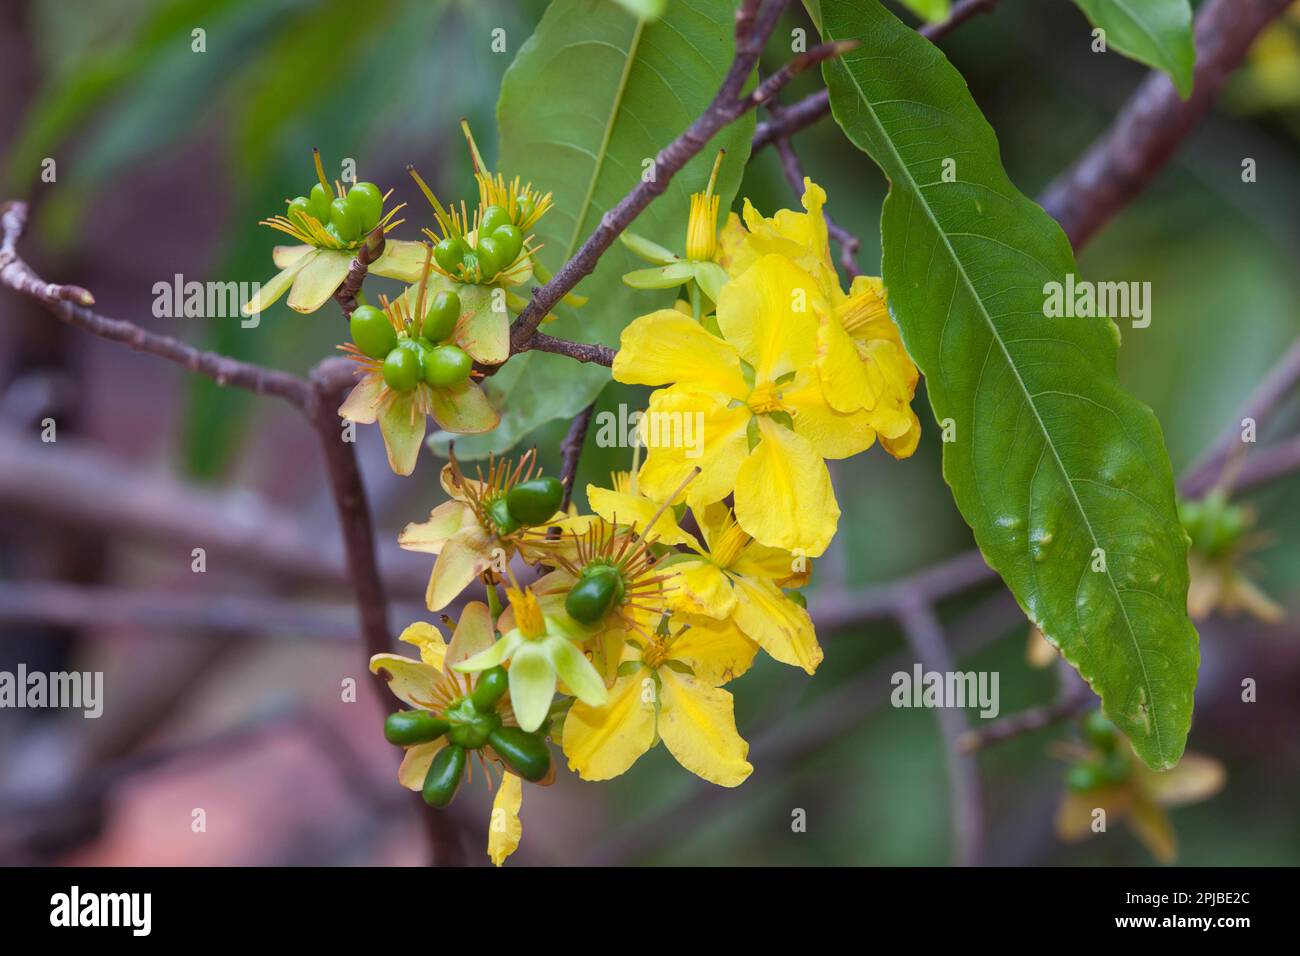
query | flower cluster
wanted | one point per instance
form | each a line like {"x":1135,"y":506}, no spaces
{"x":689,"y":564}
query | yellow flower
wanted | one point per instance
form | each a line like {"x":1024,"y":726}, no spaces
{"x":625,"y":505}
{"x":463,"y":533}
{"x":1141,"y":802}
{"x":313,"y":270}
{"x":746,"y":408}
{"x":736,"y":578}
{"x":667,"y":689}
{"x":431,"y":684}
{"x":860,"y":356}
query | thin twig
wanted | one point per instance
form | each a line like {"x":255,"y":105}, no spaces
{"x":925,"y":637}
{"x":1037,"y":718}
{"x":1155,"y":122}
{"x":794,"y":174}
{"x":571,"y":450}
{"x":814,"y":106}
{"x":755,"y":21}
{"x":346,"y":294}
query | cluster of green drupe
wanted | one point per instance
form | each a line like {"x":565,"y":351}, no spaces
{"x":469,"y":723}
{"x":346,"y":219}
{"x":527,"y":504}
{"x":1214,"y":523}
{"x":498,"y":246}
{"x":414,"y":355}
{"x":1110,"y":767}
{"x":598,"y":588}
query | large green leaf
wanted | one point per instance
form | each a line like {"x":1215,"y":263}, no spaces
{"x":1062,"y":475}
{"x":1155,"y":32}
{"x":591,"y":97}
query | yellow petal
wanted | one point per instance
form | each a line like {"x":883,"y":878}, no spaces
{"x":773,"y":564}
{"x":363,"y":402}
{"x":715,"y":650}
{"x":464,"y":409}
{"x":603,"y":742}
{"x":839,"y":368}
{"x":781,"y":627}
{"x":905,"y":444}
{"x":666,"y":346}
{"x":770,"y":314}
{"x":465,"y":556}
{"x":402,"y":259}
{"x":319,"y":279}
{"x":433,"y":649}
{"x":629,"y":509}
{"x":784,"y":496}
{"x":269,"y":293}
{"x":403,"y":427}
{"x":832,"y":433}
{"x":698,"y":726}
{"x":474,"y":633}
{"x":411,"y":682}
{"x":1194,"y":778}
{"x":697,"y":586}
{"x":1153,"y":828}
{"x":504,"y":829}
{"x":722,"y":447}
{"x":286,"y":256}
{"x":415,"y":763}
{"x":444,"y":521}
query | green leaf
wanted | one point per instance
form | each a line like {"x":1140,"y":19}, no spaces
{"x":1051,"y":458}
{"x":1155,"y":32}
{"x":931,"y":11}
{"x":591,"y":97}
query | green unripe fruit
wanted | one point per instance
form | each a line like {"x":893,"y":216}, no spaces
{"x":525,"y":207}
{"x":511,"y":241}
{"x":320,"y":200}
{"x":490,"y":688}
{"x":345,"y":219}
{"x":450,"y":253}
{"x":500,"y":514}
{"x":493,"y":218}
{"x":524,"y":753}
{"x":298,"y":207}
{"x":447,"y":366}
{"x":443,"y":778}
{"x":469,"y":725}
{"x":440,"y":321}
{"x":593,"y":594}
{"x":402,"y":371}
{"x":535,"y":501}
{"x":407,"y":727}
{"x":1082,"y":778}
{"x":491,"y":257}
{"x":1099,"y":731}
{"x":333,"y":232}
{"x":1115,"y":768}
{"x":798,"y":598}
{"x":372,"y":333}
{"x":368,"y":203}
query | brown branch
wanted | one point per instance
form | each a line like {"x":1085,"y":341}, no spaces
{"x":1073,"y":701}
{"x":814,"y":106}
{"x":755,"y":21}
{"x":571,"y":450}
{"x":17,"y":275}
{"x":591,"y":352}
{"x":925,"y":637}
{"x":793,"y":169}
{"x":346,"y":294}
{"x":1279,"y":382}
{"x":1154,"y":123}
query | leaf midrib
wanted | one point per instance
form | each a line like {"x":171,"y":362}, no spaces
{"x":993,"y":332}
{"x":615,"y":105}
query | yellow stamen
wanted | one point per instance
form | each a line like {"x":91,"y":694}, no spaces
{"x":859,"y":311}
{"x":727,"y":544}
{"x":765,"y":399}
{"x":528,"y":612}
{"x":702,"y":226}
